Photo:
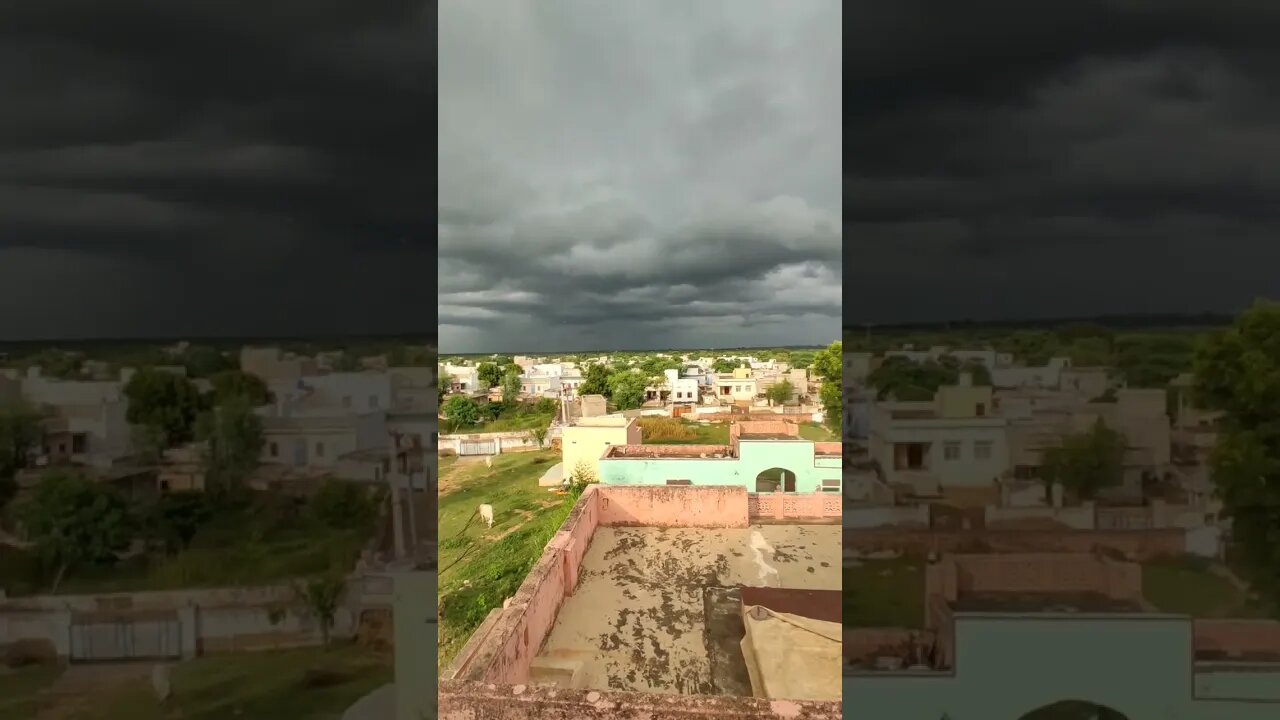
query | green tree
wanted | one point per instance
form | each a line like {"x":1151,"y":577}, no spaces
{"x":510,"y":389}
{"x":723,"y":365}
{"x":626,"y":388}
{"x":346,"y":361}
{"x":230,"y":384}
{"x":343,"y":505}
{"x":175,"y":517}
{"x":461,"y":410}
{"x":829,"y":366}
{"x":1086,"y":462}
{"x":164,"y":402}
{"x":74,"y":521}
{"x":595,"y":381}
{"x":57,"y":363}
{"x":489,"y":374}
{"x":779,"y":392}
{"x":443,"y":382}
{"x":19,"y":434}
{"x":202,"y":361}
{"x":539,"y":435}
{"x":1237,"y":371}
{"x":322,"y":596}
{"x":233,"y":439}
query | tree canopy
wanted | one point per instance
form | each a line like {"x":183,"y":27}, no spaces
{"x":461,"y":410}
{"x":626,"y":388}
{"x":595,"y":381}
{"x":1237,"y":371}
{"x":164,"y":402}
{"x":1086,"y":462}
{"x":829,"y":365}
{"x":73,"y":520}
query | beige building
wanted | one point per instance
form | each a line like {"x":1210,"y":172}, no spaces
{"x":271,"y":364}
{"x":954,"y":440}
{"x":585,"y":442}
{"x":736,"y":387}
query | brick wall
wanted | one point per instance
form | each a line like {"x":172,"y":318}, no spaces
{"x":1035,"y":573}
{"x":1133,"y":544}
{"x":1237,"y":639}
{"x":790,"y":506}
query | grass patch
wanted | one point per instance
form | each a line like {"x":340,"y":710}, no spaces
{"x":817,"y":433}
{"x":306,"y":684}
{"x":481,"y":567}
{"x":885,"y":593}
{"x":671,"y":431}
{"x":271,"y":541}
{"x":1187,"y":586}
{"x":514,"y":423}
{"x":20,"y":689}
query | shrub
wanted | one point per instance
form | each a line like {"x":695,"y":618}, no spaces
{"x":664,"y":429}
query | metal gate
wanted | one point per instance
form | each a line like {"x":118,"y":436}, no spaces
{"x":485,"y":447}
{"x":115,"y":640}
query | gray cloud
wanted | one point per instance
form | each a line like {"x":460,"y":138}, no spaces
{"x":197,"y":168}
{"x":1071,"y":158}
{"x":639,"y":174}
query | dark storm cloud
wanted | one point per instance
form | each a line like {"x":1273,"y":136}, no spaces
{"x":1010,"y":159}
{"x":213,"y":168}
{"x":639,"y":174}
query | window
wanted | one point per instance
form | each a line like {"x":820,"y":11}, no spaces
{"x":79,"y":443}
{"x":831,"y":486}
{"x":274,"y":449}
{"x":681,"y":483}
{"x":164,"y":486}
{"x":319,"y":449}
{"x":980,"y":410}
{"x":982,"y":450}
{"x":951,"y":451}
{"x":346,"y":402}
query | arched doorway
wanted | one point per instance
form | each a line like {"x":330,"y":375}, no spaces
{"x":1074,"y":710}
{"x":776,"y":480}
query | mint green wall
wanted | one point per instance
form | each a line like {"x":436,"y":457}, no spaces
{"x":1006,"y":667}
{"x":754,"y":458}
{"x":416,"y":644}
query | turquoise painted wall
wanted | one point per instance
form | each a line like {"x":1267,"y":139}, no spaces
{"x":1007,"y":667}
{"x":754,"y":458}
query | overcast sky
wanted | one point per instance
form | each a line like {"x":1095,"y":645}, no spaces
{"x":211,"y":167}
{"x":639,"y":174}
{"x":1060,"y":158}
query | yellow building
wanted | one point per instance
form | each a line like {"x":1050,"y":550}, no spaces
{"x":585,"y":442}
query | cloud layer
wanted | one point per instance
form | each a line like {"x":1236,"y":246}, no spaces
{"x":206,"y":168}
{"x":639,"y":174}
{"x":1061,"y":158}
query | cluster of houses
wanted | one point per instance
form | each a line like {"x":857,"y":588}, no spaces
{"x":947,"y":511}
{"x":319,"y":423}
{"x":696,"y":383}
{"x":983,"y":446}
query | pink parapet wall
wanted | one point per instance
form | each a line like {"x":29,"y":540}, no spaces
{"x":662,"y":506}
{"x":489,"y":676}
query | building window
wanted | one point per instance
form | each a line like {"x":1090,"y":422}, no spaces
{"x":681,"y":483}
{"x":831,"y":486}
{"x":980,"y":410}
{"x":274,"y":449}
{"x":982,"y":450}
{"x":319,"y":449}
{"x":951,"y":451}
{"x":346,"y":402}
{"x":79,"y":443}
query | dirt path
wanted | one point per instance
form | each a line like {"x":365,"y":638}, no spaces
{"x":83,"y":685}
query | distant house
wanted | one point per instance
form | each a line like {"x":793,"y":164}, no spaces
{"x":85,"y":421}
{"x":763,"y":457}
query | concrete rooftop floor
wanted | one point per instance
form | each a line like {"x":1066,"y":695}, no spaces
{"x":638,"y":619}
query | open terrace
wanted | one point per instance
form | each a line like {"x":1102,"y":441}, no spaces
{"x":642,"y":602}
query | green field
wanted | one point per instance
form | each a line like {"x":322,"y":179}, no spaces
{"x":1188,"y":586}
{"x":670,"y":431}
{"x":302,"y":684}
{"x":885,"y":593}
{"x":514,"y":423}
{"x":481,"y":567}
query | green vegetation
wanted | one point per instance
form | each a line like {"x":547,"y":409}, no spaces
{"x":164,"y":403}
{"x":908,"y":381}
{"x":260,"y":538}
{"x":1086,"y":462}
{"x":817,"y":433}
{"x":302,"y":684}
{"x":75,"y":521}
{"x":1237,"y":371}
{"x":480,"y":567}
{"x":626,"y":389}
{"x":465,"y":415}
{"x":1189,"y":586}
{"x":885,"y":593}
{"x":829,"y":366}
{"x":673,"y":431}
{"x":20,"y":690}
